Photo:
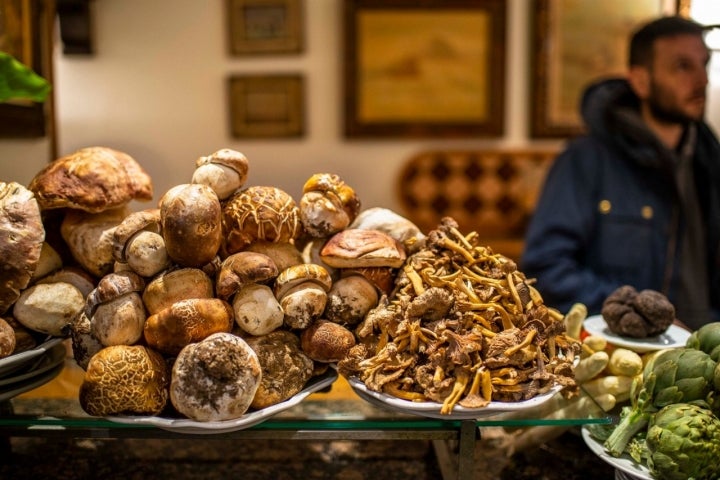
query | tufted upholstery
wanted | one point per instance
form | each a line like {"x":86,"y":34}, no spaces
{"x":492,"y":192}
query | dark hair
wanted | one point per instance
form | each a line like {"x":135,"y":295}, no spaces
{"x":643,"y":39}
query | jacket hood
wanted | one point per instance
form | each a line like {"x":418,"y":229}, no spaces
{"x":611,"y":112}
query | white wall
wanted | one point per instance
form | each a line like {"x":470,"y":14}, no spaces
{"x":156,"y":90}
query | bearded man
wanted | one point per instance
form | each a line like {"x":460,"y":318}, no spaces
{"x":636,"y":201}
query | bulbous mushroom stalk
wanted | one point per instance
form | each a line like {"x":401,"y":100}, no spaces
{"x":225,"y":171}
{"x":138,"y":242}
{"x":328,"y":205}
{"x":115,"y":309}
{"x":302,"y":293}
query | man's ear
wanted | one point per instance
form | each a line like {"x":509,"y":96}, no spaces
{"x":639,"y":79}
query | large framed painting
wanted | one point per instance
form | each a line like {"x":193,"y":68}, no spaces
{"x":575,"y":42}
{"x":434,"y":68}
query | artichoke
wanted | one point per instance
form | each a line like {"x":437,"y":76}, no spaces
{"x":679,"y":375}
{"x":683,"y":441}
{"x":707,"y":339}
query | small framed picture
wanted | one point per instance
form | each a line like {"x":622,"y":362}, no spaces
{"x":267,"y":106}
{"x":260,"y":27}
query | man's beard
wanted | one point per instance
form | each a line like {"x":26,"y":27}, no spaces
{"x":667,"y":111}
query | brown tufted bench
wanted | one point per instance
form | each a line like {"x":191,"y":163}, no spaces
{"x":491,"y":192}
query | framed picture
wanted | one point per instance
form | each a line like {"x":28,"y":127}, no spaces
{"x":434,"y":68}
{"x":267,"y":106}
{"x":562,"y":62}
{"x":265,"y":26}
{"x":26,"y":34}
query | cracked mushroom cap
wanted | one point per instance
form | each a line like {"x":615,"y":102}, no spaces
{"x":21,"y":241}
{"x":93,"y":179}
{"x":215,"y":379}
{"x":353,"y":248}
{"x":259,"y":213}
{"x":125,"y":379}
{"x":187,"y":321}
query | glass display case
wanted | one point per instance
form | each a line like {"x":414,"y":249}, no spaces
{"x":332,"y":411}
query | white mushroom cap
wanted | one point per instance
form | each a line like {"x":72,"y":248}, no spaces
{"x":215,"y":379}
{"x":49,"y":307}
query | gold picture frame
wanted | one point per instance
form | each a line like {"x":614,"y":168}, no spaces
{"x":562,"y":63}
{"x":259,"y":27}
{"x":424,"y":69}
{"x":267,"y":106}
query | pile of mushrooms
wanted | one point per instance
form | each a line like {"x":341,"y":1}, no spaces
{"x":462,"y":327}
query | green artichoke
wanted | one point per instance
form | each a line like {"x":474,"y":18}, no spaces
{"x":707,"y":339}
{"x":683,"y":441}
{"x":679,"y":375}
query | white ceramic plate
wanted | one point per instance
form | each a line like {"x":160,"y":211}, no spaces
{"x":432,"y":409}
{"x":624,"y":463}
{"x":185,"y":425}
{"x":13,"y":363}
{"x":49,"y":360}
{"x":30,"y":384}
{"x":673,"y":337}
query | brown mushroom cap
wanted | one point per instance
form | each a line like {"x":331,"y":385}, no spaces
{"x":93,"y":179}
{"x":215,"y":379}
{"x":354,"y":248}
{"x":297,"y":274}
{"x":284,"y":254}
{"x":112,"y":286}
{"x":7,"y":338}
{"x":21,"y":241}
{"x":259,"y":213}
{"x":224,"y":171}
{"x":326,"y":341}
{"x":125,"y":379}
{"x":174,"y":285}
{"x":242,"y":268}
{"x":187,"y":321}
{"x":191,"y":222}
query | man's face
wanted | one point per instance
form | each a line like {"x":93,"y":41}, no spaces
{"x":678,"y":79}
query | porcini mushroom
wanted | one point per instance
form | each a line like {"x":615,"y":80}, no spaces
{"x":172,"y":286}
{"x":328,"y":205}
{"x":115,"y":309}
{"x":302,"y":293}
{"x":138,"y":242}
{"x":190,"y":218}
{"x":224,"y":171}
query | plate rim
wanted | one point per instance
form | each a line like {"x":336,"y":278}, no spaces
{"x":639,"y":345}
{"x":11,"y":363}
{"x":432,"y":409}
{"x":31,"y":384}
{"x":625,"y":463}
{"x":55,"y":355}
{"x":187,"y":425}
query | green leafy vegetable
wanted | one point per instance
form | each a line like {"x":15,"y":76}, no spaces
{"x":707,"y":339}
{"x":18,"y":82}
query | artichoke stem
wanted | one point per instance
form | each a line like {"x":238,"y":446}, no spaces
{"x":621,"y":435}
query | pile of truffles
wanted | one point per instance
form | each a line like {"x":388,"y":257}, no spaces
{"x":224,"y":298}
{"x":462,"y":327}
{"x":642,"y":314}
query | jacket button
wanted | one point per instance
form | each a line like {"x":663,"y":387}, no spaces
{"x":604,"y":206}
{"x":646,"y":212}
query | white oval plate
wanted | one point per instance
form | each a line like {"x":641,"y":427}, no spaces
{"x":51,"y":359}
{"x":14,"y":362}
{"x":186,"y":425}
{"x":624,"y":462}
{"x":432,"y":409}
{"x":672,"y":338}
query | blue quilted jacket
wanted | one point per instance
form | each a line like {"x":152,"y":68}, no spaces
{"x":608,"y":214}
